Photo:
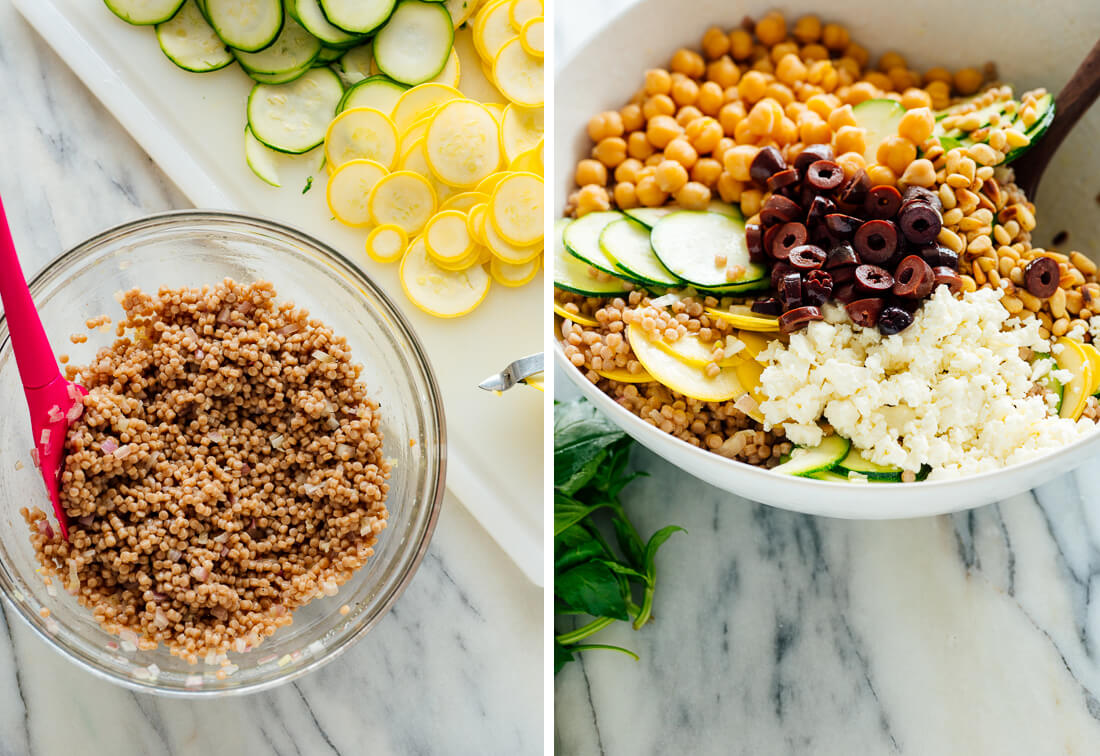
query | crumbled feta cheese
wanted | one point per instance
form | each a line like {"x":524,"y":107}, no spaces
{"x":951,"y":391}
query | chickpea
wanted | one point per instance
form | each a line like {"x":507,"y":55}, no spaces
{"x":780,"y":51}
{"x":764,"y":66}
{"x":771,"y":29}
{"x":752,"y":86}
{"x":781,"y":93}
{"x":591,"y":172}
{"x":693,"y":196}
{"x":858,"y":53}
{"x":903,"y":78}
{"x":591,"y":199}
{"x":743,"y":134}
{"x":823,"y":104}
{"x":968,"y":80}
{"x":835,"y":37}
{"x":740,"y":44}
{"x":598,"y":127}
{"x":661,"y":130}
{"x":851,"y":162}
{"x":687,"y":114}
{"x":610,"y":151}
{"x":705,"y":134}
{"x":658,"y":105}
{"x":751,"y":201}
{"x":813,"y":130}
{"x":638,"y":146}
{"x":939,"y":73}
{"x":731,"y":114}
{"x":632,"y":117}
{"x":710,"y":99}
{"x":878,"y":80}
{"x":706,"y":171}
{"x":860,"y":91}
{"x":682,"y":152}
{"x":814,"y":52}
{"x":918,"y":173}
{"x":627,"y":171}
{"x":685,"y":91}
{"x":654,"y":160}
{"x":729,"y":188}
{"x":940,"y":93}
{"x":849,"y":139}
{"x":725,"y":143}
{"x":891,"y":59}
{"x":896,"y":152}
{"x":715,"y":43}
{"x":915,"y":98}
{"x":723,"y":72}
{"x":881,"y":175}
{"x":626,"y":196}
{"x":807,"y":29}
{"x":649,"y":194}
{"x":658,"y":81}
{"x":688,"y":62}
{"x":840,"y":117}
{"x":917,"y":124}
{"x":738,"y":159}
{"x":785,"y":132}
{"x":671,"y":176}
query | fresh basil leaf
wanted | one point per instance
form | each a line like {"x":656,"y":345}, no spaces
{"x":581,"y":434}
{"x":592,"y":588}
{"x":628,"y":540}
{"x":568,"y":512}
{"x":562,"y":656}
{"x":654,"y":543}
{"x":621,"y":569}
{"x":574,"y":546}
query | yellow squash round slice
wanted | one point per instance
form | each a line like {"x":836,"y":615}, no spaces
{"x":489,"y":184}
{"x":465,"y":201}
{"x":746,"y":322}
{"x":361,"y":133}
{"x":1094,"y":359}
{"x":468,"y":261}
{"x":349,"y":190}
{"x":532,"y":37}
{"x":505,"y":250}
{"x":514,"y":275}
{"x":622,"y":375}
{"x":522,"y":11}
{"x":411,"y":105}
{"x":386,"y":244}
{"x":678,"y":375}
{"x":528,"y":162}
{"x":403,"y":199}
{"x":446,"y":237}
{"x":416,"y":132}
{"x":692,"y":351}
{"x":416,"y":160}
{"x":1076,"y":360}
{"x":578,"y":318}
{"x":754,"y":342}
{"x":493,"y":29}
{"x":443,"y":293}
{"x":475,"y":222}
{"x":520,"y":129}
{"x":516,"y":209}
{"x":518,"y":75}
{"x":463,"y":144}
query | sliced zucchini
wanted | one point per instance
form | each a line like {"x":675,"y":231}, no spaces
{"x":144,"y":12}
{"x":855,"y":462}
{"x":573,"y":274}
{"x":247,"y":25}
{"x":626,"y":244}
{"x":648,"y":216}
{"x":293,"y":49}
{"x":357,"y":64}
{"x":415,"y":44}
{"x":1037,"y":129}
{"x":330,"y":54}
{"x":378,"y":92}
{"x":190,"y":43}
{"x":1050,"y":382}
{"x":308,"y":13}
{"x":279,"y":78}
{"x":357,"y":16}
{"x":830,"y":475}
{"x":294,"y":117}
{"x":460,"y":10}
{"x":880,"y":119}
{"x":260,"y":158}
{"x":688,"y":241}
{"x":807,"y":461}
{"x":582,"y":239}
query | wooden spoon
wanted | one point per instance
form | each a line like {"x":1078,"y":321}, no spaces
{"x":1079,"y":93}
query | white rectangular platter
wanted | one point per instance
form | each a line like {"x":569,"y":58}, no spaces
{"x":192,"y":125}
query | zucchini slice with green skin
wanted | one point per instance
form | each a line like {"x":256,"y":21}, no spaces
{"x":582,"y":239}
{"x":725,"y":208}
{"x":378,"y":92}
{"x":415,"y":44}
{"x":830,"y":475}
{"x":855,"y":462}
{"x":293,"y":117}
{"x":247,"y":25}
{"x":260,"y":158}
{"x":572,"y":273}
{"x":688,"y":241}
{"x":880,"y":119}
{"x":626,"y":244}
{"x":279,"y":78}
{"x":1050,"y":382}
{"x":807,"y":461}
{"x":1035,"y":133}
{"x":648,"y":216}
{"x":330,"y":54}
{"x":949,"y":140}
{"x":294,"y":48}
{"x":189,"y":42}
{"x":144,"y":12}
{"x":308,"y":13}
{"x":357,"y":64}
{"x":758,"y":284}
{"x":357,"y":16}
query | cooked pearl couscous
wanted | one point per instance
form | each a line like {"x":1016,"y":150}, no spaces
{"x":227,"y":469}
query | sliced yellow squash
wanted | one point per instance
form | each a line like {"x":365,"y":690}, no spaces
{"x":578,"y":318}
{"x":463,"y":144}
{"x":493,"y":29}
{"x":678,"y":375}
{"x":520,"y":130}
{"x":411,"y":105}
{"x":464,"y":201}
{"x":529,"y":162}
{"x":349,"y":190}
{"x":451,"y":73}
{"x":622,"y":375}
{"x":514,"y":275}
{"x":361,"y":133}
{"x":446,"y":237}
{"x":522,"y":11}
{"x":386,"y":244}
{"x":519,"y":75}
{"x":504,"y":249}
{"x":443,"y":293}
{"x":746,"y":322}
{"x":403,"y":199}
{"x":531,"y":36}
{"x":1094,"y":357}
{"x":695,"y":352}
{"x":1075,"y":359}
{"x":516,"y":209}
{"x":748,"y":373}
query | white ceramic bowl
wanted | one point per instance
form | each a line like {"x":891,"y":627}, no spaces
{"x":1030,"y":47}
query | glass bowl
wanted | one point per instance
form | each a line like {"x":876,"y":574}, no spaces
{"x":191,"y":248}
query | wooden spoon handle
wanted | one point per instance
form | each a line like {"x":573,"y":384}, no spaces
{"x":1079,"y":93}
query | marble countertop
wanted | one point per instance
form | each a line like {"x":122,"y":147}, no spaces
{"x":463,"y":645}
{"x":777,"y":633}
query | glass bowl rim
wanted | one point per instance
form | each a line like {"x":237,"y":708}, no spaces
{"x":403,"y":329}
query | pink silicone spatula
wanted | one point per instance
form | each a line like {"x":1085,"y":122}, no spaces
{"x":53,"y":401}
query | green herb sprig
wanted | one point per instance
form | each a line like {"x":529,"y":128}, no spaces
{"x":591,"y":577}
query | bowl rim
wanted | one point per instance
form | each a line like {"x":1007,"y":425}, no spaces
{"x":437,"y":492}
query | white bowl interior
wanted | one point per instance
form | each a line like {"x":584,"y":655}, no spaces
{"x":608,"y":69}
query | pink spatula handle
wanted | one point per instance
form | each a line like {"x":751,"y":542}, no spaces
{"x":33,"y":355}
